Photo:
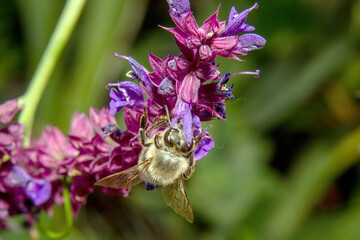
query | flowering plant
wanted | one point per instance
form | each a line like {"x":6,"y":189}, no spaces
{"x":60,"y":169}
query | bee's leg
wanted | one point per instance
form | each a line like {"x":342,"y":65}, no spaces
{"x":142,"y":138}
{"x":157,"y":124}
{"x":142,"y":133}
{"x":167,"y":115}
{"x":192,"y":147}
{"x":162,"y":120}
{"x":156,"y":141}
{"x":143,"y":119}
{"x":190,"y":171}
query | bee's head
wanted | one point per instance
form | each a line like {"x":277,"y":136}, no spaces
{"x":174,"y":138}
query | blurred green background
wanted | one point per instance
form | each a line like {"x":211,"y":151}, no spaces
{"x":285,"y":164}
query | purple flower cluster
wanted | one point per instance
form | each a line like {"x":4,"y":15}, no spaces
{"x":189,"y":85}
{"x":31,"y":177}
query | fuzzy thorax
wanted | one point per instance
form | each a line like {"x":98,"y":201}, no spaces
{"x":165,"y":167}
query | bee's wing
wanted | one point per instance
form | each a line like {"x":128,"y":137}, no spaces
{"x":175,"y":196}
{"x":124,"y":179}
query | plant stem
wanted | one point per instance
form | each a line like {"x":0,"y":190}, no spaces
{"x":68,"y":216}
{"x":59,"y":38}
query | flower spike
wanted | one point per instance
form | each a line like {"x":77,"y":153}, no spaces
{"x":178,"y":94}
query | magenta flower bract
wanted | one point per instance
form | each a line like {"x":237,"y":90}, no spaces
{"x":8,"y":110}
{"x":214,"y":38}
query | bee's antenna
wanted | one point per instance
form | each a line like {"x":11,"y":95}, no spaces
{"x":167,"y":114}
{"x":203,"y":131}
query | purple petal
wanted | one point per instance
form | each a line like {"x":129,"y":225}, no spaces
{"x":129,"y":95}
{"x":139,"y":71}
{"x":165,"y":86}
{"x":17,"y":177}
{"x":245,"y":28}
{"x":8,"y":110}
{"x":220,"y":110}
{"x":205,"y":145}
{"x":249,"y":42}
{"x":178,"y":8}
{"x":196,"y":124}
{"x":183,"y":112}
{"x":38,"y":190}
{"x":113,"y":107}
{"x":222,"y":89}
{"x":187,"y":126}
{"x":236,"y":22}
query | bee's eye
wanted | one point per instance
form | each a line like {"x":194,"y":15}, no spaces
{"x":167,"y":137}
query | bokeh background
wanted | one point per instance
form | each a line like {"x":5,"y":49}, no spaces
{"x":285,"y":164}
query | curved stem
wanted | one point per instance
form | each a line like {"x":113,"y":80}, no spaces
{"x":68,"y":217}
{"x":59,"y":38}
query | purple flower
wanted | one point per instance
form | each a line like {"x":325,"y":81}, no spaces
{"x":128,"y":95}
{"x":205,"y":145}
{"x":204,"y":38}
{"x":166,"y":86}
{"x":206,"y":142}
{"x":187,"y":84}
{"x":90,"y":156}
{"x":236,"y":23}
{"x":183,"y":112}
{"x":248,"y":42}
{"x":38,"y":190}
{"x":214,"y":38}
{"x":222,"y":89}
{"x":178,"y":8}
{"x":138,"y":71}
{"x":190,"y":86}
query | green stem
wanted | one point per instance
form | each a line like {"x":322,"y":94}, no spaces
{"x":68,"y":217}
{"x":59,"y":38}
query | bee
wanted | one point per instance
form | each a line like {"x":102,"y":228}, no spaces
{"x":166,"y":161}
